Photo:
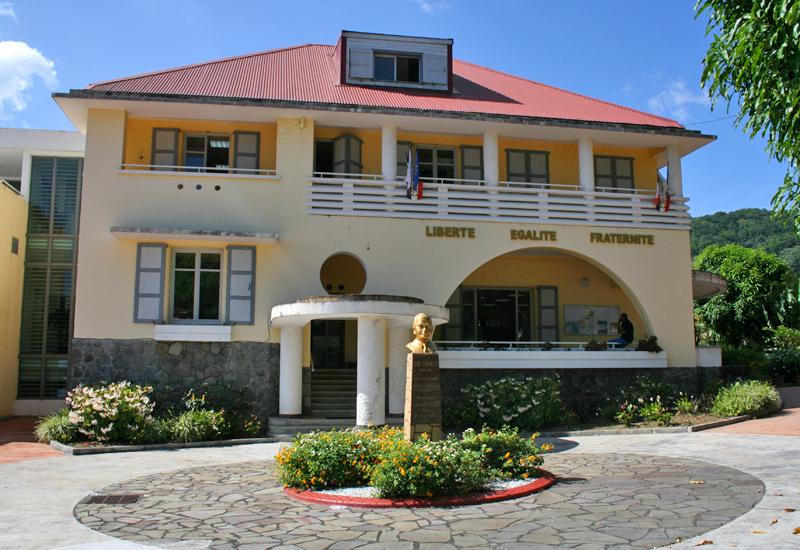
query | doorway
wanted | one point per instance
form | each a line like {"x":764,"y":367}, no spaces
{"x":328,"y":344}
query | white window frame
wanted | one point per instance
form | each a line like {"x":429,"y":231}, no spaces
{"x":393,"y":57}
{"x":206,"y":137}
{"x":197,"y":270}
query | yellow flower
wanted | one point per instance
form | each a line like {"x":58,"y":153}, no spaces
{"x":508,"y":454}
{"x":524,"y":476}
{"x":402,"y":471}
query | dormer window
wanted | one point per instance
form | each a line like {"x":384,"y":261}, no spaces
{"x":396,"y":68}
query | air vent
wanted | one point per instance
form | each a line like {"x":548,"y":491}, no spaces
{"x":112,"y":499}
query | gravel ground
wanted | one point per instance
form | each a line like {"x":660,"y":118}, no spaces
{"x":372,"y":492}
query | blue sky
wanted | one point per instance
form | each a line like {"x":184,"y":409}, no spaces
{"x":645,"y":55}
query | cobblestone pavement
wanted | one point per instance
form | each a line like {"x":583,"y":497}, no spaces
{"x":602,"y":501}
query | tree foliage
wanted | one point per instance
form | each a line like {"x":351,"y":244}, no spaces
{"x":750,"y":227}
{"x":761,"y":295}
{"x":753,"y":63}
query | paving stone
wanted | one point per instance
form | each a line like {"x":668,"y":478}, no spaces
{"x":619,"y":500}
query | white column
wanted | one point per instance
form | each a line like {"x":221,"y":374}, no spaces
{"x":389,"y":152}
{"x":399,"y":336}
{"x":25,"y":176}
{"x":675,"y":173}
{"x":290,"y":399}
{"x":371,"y":375}
{"x":586,"y":164}
{"x":491,"y":165}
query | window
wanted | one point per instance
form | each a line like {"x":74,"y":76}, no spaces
{"x":48,"y":287}
{"x":341,"y":155}
{"x":196,"y":285}
{"x":436,"y":163}
{"x":528,"y":166}
{"x":490,"y":314}
{"x":396,"y":68}
{"x":613,"y":172}
{"x":207,"y":153}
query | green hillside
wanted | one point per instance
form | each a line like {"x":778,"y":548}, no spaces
{"x":751,"y":227}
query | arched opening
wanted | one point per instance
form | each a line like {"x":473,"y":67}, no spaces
{"x":343,"y":273}
{"x":536,"y":298}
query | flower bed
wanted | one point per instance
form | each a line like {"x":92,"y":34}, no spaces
{"x":399,"y":469}
{"x":122,"y":413}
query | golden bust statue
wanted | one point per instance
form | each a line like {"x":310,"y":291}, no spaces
{"x":423,"y":332}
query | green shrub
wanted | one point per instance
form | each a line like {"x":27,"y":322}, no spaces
{"x":655,"y":411}
{"x":741,"y":356}
{"x":754,"y":397}
{"x":157,"y":431}
{"x":786,"y":338}
{"x":333,"y":459}
{"x":56,"y":427}
{"x":427,"y":468}
{"x":199,"y":425}
{"x":111,"y":413}
{"x":508,"y":455}
{"x":685,"y":404}
{"x":783,"y":365}
{"x":525,"y":403}
{"x":627,"y":414}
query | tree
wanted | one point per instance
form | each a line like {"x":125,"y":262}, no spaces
{"x":754,"y":62}
{"x":761,"y":295}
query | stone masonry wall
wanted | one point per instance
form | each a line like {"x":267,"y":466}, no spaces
{"x":252,"y":367}
{"x":582,"y":390}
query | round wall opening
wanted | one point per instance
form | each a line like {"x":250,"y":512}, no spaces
{"x":343,"y":274}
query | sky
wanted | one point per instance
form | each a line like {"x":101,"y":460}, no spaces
{"x":645,"y":55}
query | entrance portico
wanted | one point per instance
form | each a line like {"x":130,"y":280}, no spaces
{"x":375,"y":315}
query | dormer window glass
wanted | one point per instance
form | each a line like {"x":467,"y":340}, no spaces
{"x":396,"y":68}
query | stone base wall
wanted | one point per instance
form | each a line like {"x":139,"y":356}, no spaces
{"x":251,"y":367}
{"x":582,"y":390}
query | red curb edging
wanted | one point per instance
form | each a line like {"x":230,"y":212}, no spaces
{"x":545,"y":481}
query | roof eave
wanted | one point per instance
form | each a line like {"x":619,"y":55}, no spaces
{"x":341,"y":107}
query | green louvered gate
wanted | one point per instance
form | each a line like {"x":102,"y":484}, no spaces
{"x":49,"y":287}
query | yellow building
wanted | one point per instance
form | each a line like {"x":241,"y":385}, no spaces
{"x":257,"y":221}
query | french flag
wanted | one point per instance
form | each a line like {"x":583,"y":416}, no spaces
{"x":413,"y":183}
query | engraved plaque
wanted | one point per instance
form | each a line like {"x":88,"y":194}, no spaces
{"x":423,"y":406}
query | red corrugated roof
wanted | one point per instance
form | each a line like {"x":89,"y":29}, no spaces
{"x":309,"y":74}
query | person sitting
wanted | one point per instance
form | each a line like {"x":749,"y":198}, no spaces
{"x":625,"y":328}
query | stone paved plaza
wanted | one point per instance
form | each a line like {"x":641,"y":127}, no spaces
{"x":616,"y":492}
{"x":604,"y":500}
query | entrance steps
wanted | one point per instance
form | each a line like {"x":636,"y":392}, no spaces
{"x":285,"y":428}
{"x":333,"y":393}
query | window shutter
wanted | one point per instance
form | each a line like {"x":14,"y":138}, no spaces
{"x":149,"y":295}
{"x":354,"y":155}
{"x":434,"y":69}
{"x":347,"y":155}
{"x":471,"y":162}
{"x":246,"y":150}
{"x":360,"y":62}
{"x":165,"y":148}
{"x":241,"y":284}
{"x":403,"y":148}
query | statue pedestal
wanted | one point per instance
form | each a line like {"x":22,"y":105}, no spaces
{"x":423,"y":407}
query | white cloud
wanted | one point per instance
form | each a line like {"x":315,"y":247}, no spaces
{"x":432,"y":6}
{"x":7,"y":10}
{"x":20,"y":64}
{"x":676,"y":100}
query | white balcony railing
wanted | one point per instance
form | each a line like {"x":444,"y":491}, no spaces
{"x":193,"y":171}
{"x":369,"y":195}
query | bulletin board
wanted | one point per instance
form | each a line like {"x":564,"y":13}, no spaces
{"x":591,"y":320}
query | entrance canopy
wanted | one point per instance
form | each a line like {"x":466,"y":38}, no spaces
{"x":353,"y":306}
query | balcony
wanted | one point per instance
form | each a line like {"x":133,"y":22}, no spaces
{"x":195,"y":172}
{"x":333,"y":194}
